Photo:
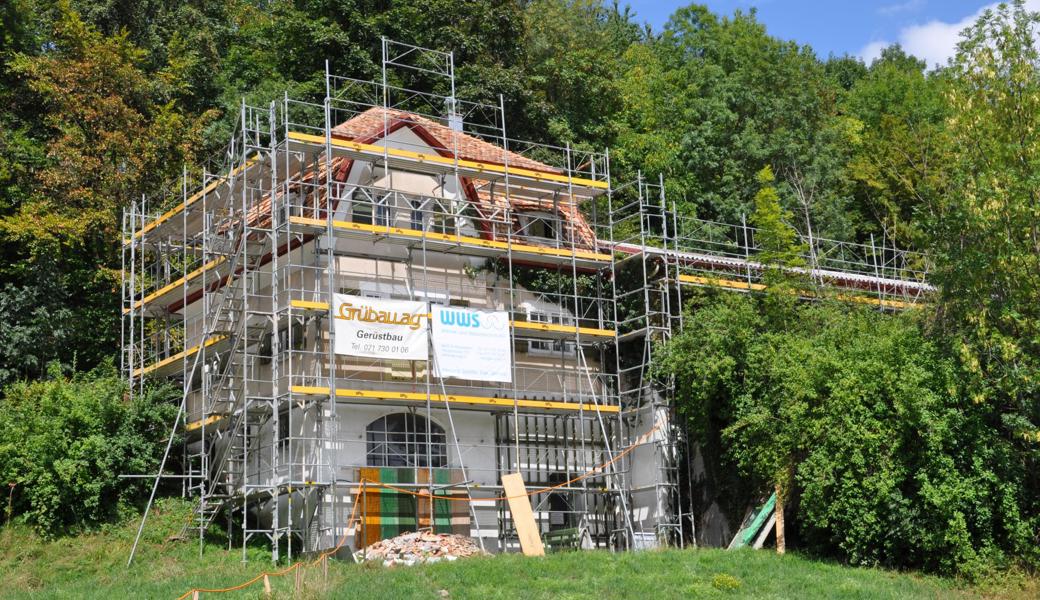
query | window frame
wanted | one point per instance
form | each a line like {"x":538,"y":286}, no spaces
{"x":407,"y":448}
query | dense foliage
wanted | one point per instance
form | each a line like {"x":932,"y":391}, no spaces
{"x":905,"y":441}
{"x":891,"y":464}
{"x":65,"y":442}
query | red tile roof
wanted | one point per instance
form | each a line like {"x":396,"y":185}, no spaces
{"x":370,"y":126}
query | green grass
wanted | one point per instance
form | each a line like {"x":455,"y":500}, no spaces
{"x":93,"y":566}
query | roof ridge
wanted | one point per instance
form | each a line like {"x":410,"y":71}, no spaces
{"x":370,"y":125}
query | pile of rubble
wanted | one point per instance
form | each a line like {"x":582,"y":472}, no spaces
{"x":420,"y":547}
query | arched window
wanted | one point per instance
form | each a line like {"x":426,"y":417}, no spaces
{"x":400,"y":440}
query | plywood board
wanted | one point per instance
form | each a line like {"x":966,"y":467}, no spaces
{"x":523,"y":516}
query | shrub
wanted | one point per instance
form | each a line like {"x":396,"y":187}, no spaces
{"x":65,"y":441}
{"x":892,"y":462}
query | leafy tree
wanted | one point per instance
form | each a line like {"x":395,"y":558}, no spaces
{"x":573,"y":58}
{"x":111,"y":135}
{"x":984,"y":231}
{"x":712,"y":100}
{"x":902,"y":162}
{"x":65,"y":442}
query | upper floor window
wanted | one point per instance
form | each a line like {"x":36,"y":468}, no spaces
{"x":563,"y":347}
{"x":431,"y":214}
{"x":540,"y":226}
{"x":370,"y":207}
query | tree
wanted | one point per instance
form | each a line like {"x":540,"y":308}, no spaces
{"x":985,"y":232}
{"x":112,"y":134}
{"x":572,"y":63}
{"x":860,"y":417}
{"x":780,"y":253}
{"x":710,"y":101}
{"x":901,"y":164}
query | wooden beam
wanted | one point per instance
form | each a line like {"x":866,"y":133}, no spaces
{"x":176,"y":210}
{"x":523,"y":516}
{"x":172,"y":359}
{"x":176,"y":284}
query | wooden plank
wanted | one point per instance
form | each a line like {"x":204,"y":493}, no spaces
{"x":762,"y":535}
{"x":180,"y":355}
{"x":523,"y":516}
{"x":176,"y":284}
{"x":753,"y":524}
{"x":194,"y":198}
{"x":201,"y":422}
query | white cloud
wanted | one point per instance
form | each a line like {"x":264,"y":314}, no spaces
{"x":873,"y":50}
{"x":935,"y":41}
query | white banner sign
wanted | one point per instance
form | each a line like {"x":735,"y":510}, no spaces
{"x":471,"y":344}
{"x":379,"y":328}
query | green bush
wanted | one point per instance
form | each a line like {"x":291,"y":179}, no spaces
{"x":64,"y":442}
{"x":893,"y":463}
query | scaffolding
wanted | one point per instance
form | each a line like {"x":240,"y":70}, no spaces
{"x":389,"y":190}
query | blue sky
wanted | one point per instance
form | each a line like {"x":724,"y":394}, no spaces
{"x":926,"y":28}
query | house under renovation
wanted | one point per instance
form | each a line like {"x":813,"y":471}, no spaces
{"x":379,"y":305}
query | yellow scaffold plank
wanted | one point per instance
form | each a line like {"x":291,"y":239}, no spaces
{"x":743,"y":285}
{"x":176,"y":284}
{"x":454,"y":239}
{"x":724,"y":283}
{"x":448,"y":162}
{"x":875,"y":301}
{"x":203,"y":422}
{"x":308,"y":305}
{"x":552,"y":327}
{"x":176,"y":210}
{"x":180,"y":355}
{"x":504,"y":403}
{"x":547,"y":327}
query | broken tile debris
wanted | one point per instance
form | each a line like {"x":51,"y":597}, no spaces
{"x":420,"y":547}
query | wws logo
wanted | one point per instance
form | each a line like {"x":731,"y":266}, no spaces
{"x":472,"y":319}
{"x":460,"y":318}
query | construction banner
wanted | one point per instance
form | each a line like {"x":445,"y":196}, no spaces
{"x":472,"y":344}
{"x":378,"y":328}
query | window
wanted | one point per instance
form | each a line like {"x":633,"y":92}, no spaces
{"x":540,"y":226}
{"x":400,"y":440}
{"x":370,"y":207}
{"x":382,"y":206}
{"x":549,"y":346}
{"x":431,"y":214}
{"x":442,"y":220}
{"x":361,"y":206}
{"x":561,"y":513}
{"x":417,"y":213}
{"x":266,"y":347}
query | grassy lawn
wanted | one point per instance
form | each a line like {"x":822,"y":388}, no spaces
{"x":93,"y":566}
